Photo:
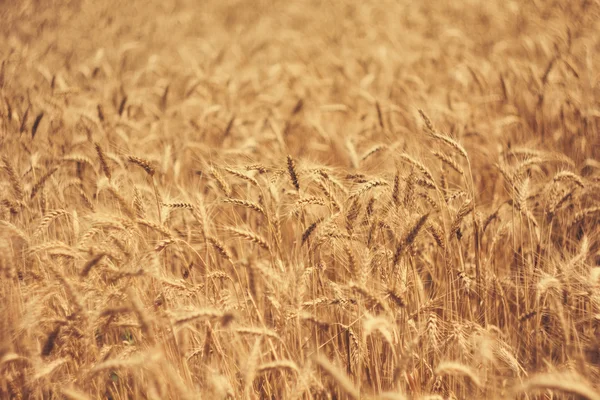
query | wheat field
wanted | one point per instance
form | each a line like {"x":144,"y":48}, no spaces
{"x":303,"y":199}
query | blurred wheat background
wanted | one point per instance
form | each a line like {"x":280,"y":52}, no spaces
{"x":300,"y":199}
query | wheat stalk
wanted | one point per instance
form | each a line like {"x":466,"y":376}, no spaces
{"x":339,"y":377}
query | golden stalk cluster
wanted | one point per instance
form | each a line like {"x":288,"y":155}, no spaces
{"x":271,"y":199}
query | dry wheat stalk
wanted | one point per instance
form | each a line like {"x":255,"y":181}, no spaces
{"x":368,"y":186}
{"x":251,"y":367}
{"x":291,"y":168}
{"x":311,"y":228}
{"x":362,"y":269}
{"x":455,"y":368}
{"x":339,"y":377}
{"x":221,"y":182}
{"x":560,"y":382}
{"x":285,"y":365}
{"x":242,"y":176}
{"x":449,"y":161}
{"x":220,"y":248}
{"x":144,"y":164}
{"x":14,"y":179}
{"x":248,"y":204}
{"x":103,"y":162}
{"x":250,"y":236}
{"x":42,"y":181}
